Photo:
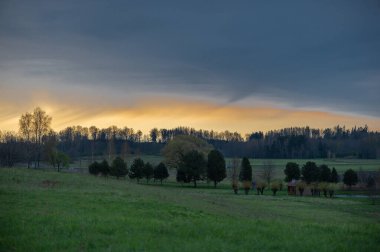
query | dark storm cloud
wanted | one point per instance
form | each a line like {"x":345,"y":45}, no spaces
{"x":322,"y":54}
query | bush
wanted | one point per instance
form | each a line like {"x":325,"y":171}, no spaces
{"x":260,"y":187}
{"x":246,"y":186}
{"x":324,"y":186}
{"x":331,"y":189}
{"x":275,"y":186}
{"x":301,"y":186}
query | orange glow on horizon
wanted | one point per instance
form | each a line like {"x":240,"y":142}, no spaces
{"x":170,"y":113}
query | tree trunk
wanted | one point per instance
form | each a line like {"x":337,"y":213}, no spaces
{"x":195,"y":183}
{"x":274,"y":192}
{"x":214,"y":183}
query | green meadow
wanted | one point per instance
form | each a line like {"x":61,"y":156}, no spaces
{"x":50,"y":211}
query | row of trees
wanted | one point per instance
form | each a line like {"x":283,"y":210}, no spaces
{"x":138,"y":170}
{"x":310,"y":173}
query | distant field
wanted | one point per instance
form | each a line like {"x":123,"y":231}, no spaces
{"x":50,"y":211}
{"x":341,"y":165}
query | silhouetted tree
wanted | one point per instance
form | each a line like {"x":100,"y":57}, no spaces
{"x":104,"y":168}
{"x":192,"y":167}
{"x":246,"y":174}
{"x":148,"y":171}
{"x":325,"y":173}
{"x":216,"y":166}
{"x":118,"y":168}
{"x":292,"y":171}
{"x":334,"y":176}
{"x":26,"y":132}
{"x":40,"y":126}
{"x":154,"y":134}
{"x":137,"y":169}
{"x":94,"y":168}
{"x":350,"y":178}
{"x":310,"y":172}
{"x":160,"y":172}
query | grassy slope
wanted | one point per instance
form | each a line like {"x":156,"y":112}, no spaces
{"x":88,"y":213}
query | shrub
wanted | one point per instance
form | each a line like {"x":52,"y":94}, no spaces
{"x":301,"y":186}
{"x":331,"y":187}
{"x":324,"y":186}
{"x":275,"y":186}
{"x":246,"y":186}
{"x":260,"y":187}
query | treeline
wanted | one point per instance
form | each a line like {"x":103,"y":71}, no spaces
{"x":35,"y":141}
{"x":297,"y":142}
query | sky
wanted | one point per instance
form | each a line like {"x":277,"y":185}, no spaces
{"x":224,"y":65}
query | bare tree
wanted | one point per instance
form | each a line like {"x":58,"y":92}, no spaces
{"x":8,"y":148}
{"x":41,"y":126}
{"x":267,"y":172}
{"x":94,"y":131}
{"x":26,"y":132}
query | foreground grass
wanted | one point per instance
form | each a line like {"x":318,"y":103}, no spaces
{"x":48,"y":211}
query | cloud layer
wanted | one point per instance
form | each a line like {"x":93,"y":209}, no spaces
{"x":308,"y":55}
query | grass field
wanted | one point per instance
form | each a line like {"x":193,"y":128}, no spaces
{"x":49,"y":211}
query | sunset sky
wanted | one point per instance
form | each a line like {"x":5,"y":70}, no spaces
{"x":223,"y":65}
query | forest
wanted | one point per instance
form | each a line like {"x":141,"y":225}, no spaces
{"x":35,"y":141}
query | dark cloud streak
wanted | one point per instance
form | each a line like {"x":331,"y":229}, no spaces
{"x":300,"y":53}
